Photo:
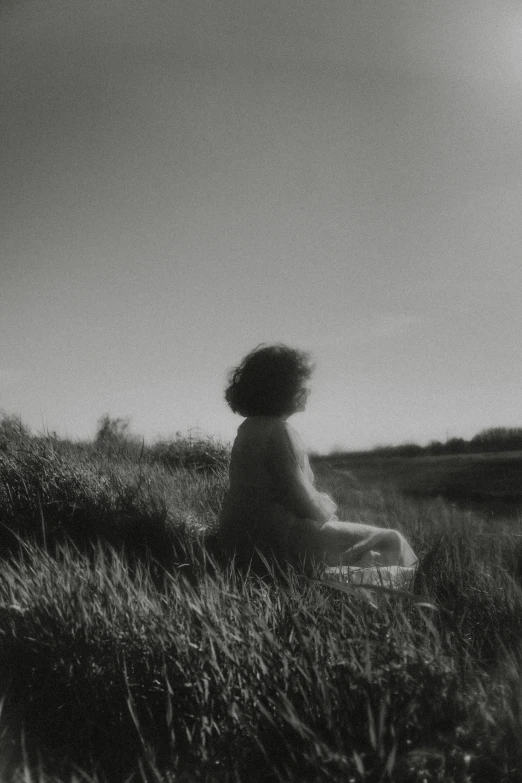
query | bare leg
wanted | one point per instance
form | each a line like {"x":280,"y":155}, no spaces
{"x":346,"y":543}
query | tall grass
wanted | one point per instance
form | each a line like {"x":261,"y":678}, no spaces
{"x":50,"y":491}
{"x":129,"y":652}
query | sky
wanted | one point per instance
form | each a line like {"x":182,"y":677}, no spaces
{"x":183,"y":180}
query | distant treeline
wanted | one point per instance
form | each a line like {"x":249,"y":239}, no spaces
{"x":488,"y":440}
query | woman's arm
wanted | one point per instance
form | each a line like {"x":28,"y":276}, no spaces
{"x":285,"y":458}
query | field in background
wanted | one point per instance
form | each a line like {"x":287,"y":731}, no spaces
{"x":489,"y":482}
{"x":131,"y":649}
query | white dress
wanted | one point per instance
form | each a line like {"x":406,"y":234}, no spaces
{"x":272,"y":504}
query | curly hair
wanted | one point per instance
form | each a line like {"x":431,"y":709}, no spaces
{"x":268,"y":381}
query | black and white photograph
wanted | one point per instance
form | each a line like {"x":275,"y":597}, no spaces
{"x":260,"y":391}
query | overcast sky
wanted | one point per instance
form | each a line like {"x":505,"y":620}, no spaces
{"x":184,"y":180}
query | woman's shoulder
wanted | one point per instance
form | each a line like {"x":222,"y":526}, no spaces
{"x":259,"y":428}
{"x":283,"y":434}
{"x":260,"y":422}
{"x":276,"y":427}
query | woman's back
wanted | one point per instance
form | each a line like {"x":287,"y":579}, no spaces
{"x":248,"y":463}
{"x":271,"y":488}
{"x":250,"y":512}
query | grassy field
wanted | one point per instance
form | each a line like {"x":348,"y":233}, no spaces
{"x":131,"y":649}
{"x":491,"y":482}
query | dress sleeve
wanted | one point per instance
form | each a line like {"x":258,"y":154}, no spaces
{"x":285,"y":464}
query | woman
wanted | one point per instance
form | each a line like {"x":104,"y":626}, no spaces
{"x":272,"y":504}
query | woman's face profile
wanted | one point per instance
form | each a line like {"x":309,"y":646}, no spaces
{"x":302,"y":398}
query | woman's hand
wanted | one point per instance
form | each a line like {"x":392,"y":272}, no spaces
{"x":329,"y":505}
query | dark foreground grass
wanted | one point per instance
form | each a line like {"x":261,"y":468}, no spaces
{"x":128,"y":652}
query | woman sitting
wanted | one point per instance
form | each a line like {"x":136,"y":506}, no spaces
{"x":272,"y":505}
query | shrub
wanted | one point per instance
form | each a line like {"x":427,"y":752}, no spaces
{"x":198,"y":453}
{"x":498,"y":439}
{"x":12,"y":432}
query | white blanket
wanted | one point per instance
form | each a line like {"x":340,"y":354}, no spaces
{"x":394,"y":577}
